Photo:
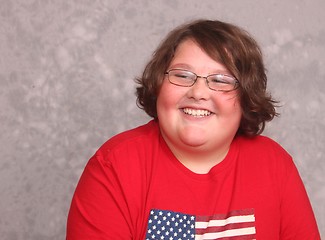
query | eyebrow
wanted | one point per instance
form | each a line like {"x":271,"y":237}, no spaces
{"x":182,"y":66}
{"x":188,"y":67}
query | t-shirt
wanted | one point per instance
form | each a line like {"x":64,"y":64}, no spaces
{"x":135,"y":188}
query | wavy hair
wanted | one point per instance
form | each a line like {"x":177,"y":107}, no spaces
{"x":225,"y":43}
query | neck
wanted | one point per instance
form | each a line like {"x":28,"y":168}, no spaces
{"x":199,"y":160}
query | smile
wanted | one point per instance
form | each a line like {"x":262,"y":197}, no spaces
{"x":197,"y":112}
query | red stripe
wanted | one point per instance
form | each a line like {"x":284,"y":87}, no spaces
{"x":246,"y":237}
{"x":224,"y":228}
{"x":244,"y":212}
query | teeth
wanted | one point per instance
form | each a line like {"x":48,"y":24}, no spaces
{"x":196,"y":112}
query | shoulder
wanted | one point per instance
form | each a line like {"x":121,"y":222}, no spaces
{"x":130,"y":142}
{"x":261,"y":145}
{"x":263,"y":153}
{"x":142,"y":132}
{"x":264,"y":163}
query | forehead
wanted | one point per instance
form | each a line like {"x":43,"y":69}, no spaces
{"x":191,"y":56}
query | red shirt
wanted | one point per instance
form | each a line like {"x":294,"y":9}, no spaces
{"x":135,"y":188}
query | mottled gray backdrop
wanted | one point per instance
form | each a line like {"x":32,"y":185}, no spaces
{"x":66,"y":85}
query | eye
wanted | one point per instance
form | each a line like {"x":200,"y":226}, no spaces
{"x":221,"y":79}
{"x":184,"y":75}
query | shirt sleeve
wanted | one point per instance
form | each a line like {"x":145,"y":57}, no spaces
{"x":98,"y":209}
{"x":298,"y":221}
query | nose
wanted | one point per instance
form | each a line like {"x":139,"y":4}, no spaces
{"x":200,"y":89}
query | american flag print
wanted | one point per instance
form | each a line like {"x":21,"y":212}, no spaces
{"x":169,"y":225}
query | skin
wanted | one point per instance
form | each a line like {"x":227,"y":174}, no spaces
{"x":198,"y":141}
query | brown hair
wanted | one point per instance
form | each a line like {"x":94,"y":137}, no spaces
{"x":227,"y":44}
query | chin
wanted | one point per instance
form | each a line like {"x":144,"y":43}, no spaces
{"x":193,"y":142}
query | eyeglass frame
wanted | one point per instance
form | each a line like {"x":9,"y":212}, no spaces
{"x":235,"y":84}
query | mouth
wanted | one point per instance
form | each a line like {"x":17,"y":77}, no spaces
{"x":197,"y":112}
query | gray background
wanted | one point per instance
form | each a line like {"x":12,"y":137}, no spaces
{"x":66,"y":85}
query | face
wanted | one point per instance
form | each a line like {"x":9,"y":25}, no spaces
{"x":197,"y":119}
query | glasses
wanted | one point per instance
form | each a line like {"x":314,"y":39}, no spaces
{"x":216,"y":82}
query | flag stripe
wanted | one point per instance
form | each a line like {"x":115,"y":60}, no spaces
{"x":233,"y":213}
{"x":242,"y":237}
{"x":218,"y":223}
{"x":227,"y":233}
{"x":224,"y":228}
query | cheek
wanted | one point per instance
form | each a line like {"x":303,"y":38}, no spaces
{"x":168,"y":96}
{"x":237,"y":105}
{"x":237,"y":111}
{"x":229,"y":102}
{"x":164,"y":100}
{"x":230,"y":111}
